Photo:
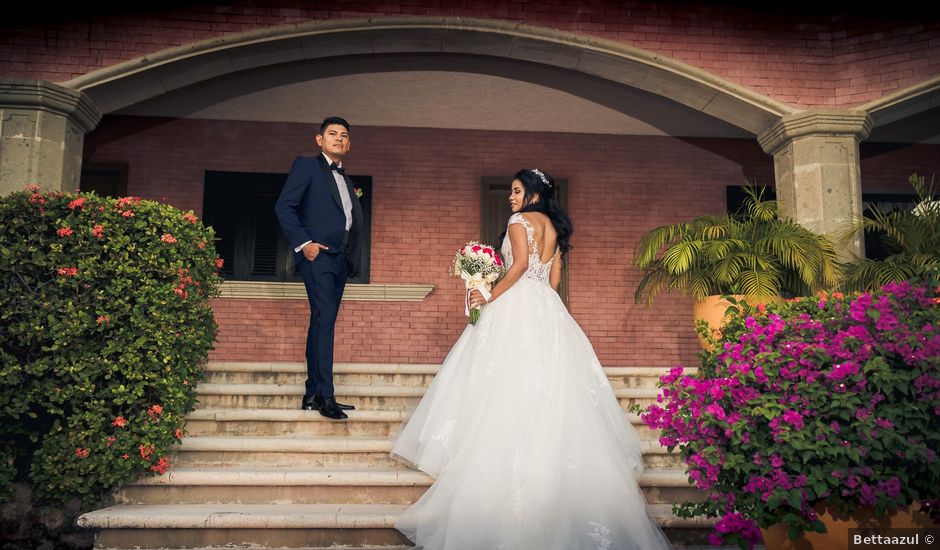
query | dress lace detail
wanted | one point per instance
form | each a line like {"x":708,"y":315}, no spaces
{"x":600,"y":535}
{"x":536,"y":270}
{"x":443,"y":434}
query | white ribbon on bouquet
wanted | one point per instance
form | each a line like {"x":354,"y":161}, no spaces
{"x":477,"y":282}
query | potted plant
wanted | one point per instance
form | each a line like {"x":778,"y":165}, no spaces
{"x":817,"y":407}
{"x":753,"y":253}
{"x":910,"y":240}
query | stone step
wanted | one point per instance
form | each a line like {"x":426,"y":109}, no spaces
{"x":331,"y":485}
{"x":288,"y":396}
{"x":273,"y":451}
{"x":274,"y":525}
{"x":273,"y":422}
{"x":347,"y":374}
{"x":393,"y":374}
{"x":328,"y":452}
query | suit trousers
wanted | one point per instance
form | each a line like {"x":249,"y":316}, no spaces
{"x":324,"y":280}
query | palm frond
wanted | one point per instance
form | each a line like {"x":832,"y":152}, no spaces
{"x":680,"y":257}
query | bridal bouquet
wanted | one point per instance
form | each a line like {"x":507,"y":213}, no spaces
{"x":480,"y":267}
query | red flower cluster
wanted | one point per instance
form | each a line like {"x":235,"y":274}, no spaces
{"x":219,"y":262}
{"x":168,"y":239}
{"x":178,"y":433}
{"x":162,"y":465}
{"x":154,"y":411}
{"x":124,"y":201}
{"x":190,"y":217}
{"x":120,"y":422}
{"x":67,"y":271}
{"x":184,"y":280}
{"x":64,"y":232}
{"x":146,"y":451}
{"x":81,"y":453}
{"x":98,"y":231}
{"x":77,"y":203}
{"x":104,"y":319}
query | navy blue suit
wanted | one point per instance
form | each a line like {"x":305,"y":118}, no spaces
{"x":310,"y":209}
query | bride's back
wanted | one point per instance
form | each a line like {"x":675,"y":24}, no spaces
{"x":544,"y":233}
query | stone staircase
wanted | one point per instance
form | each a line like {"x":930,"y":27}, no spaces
{"x":254,"y":471}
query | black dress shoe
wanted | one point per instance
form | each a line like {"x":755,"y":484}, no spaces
{"x":309,"y":404}
{"x":329,"y":409}
{"x":318,"y":402}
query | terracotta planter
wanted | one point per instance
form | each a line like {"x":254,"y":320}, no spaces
{"x":837,"y":525}
{"x":712,"y":310}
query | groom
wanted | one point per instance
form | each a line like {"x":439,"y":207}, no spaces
{"x":322,"y":219}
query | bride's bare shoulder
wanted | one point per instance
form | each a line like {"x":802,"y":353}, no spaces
{"x":536,"y":217}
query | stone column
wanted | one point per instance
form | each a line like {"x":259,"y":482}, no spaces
{"x":817,"y":170}
{"x":42,"y":131}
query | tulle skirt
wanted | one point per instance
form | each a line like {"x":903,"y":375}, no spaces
{"x":525,"y":438}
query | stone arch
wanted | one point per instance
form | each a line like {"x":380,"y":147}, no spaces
{"x":916,"y":107}
{"x":112,"y":88}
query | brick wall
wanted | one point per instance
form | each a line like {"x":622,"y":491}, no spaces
{"x":426,"y":203}
{"x":816,"y":60}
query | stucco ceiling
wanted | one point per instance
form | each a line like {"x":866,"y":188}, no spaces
{"x":436,"y":92}
{"x":453,"y":91}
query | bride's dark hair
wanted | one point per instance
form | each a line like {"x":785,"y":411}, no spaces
{"x":547,"y":204}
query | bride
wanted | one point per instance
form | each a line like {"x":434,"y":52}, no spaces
{"x":521,"y":430}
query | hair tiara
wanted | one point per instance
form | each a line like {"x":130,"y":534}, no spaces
{"x":541,"y":176}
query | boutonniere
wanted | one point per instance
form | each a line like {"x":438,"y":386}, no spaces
{"x":358,"y":192}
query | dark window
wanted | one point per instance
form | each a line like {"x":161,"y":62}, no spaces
{"x":240,"y":207}
{"x":105,"y":179}
{"x":887,"y":202}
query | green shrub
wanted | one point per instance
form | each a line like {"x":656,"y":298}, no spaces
{"x":105,"y":326}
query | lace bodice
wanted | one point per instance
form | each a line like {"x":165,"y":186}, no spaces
{"x":536,"y":270}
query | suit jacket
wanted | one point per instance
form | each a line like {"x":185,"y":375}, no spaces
{"x":309,"y":209}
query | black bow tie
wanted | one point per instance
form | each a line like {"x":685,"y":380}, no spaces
{"x":337,"y":168}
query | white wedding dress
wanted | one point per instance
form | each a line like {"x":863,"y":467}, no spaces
{"x":524,"y":436}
